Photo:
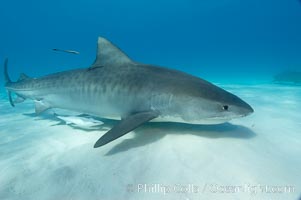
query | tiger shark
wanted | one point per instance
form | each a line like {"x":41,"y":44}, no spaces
{"x":116,"y":87}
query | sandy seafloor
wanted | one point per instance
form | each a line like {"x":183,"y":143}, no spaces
{"x":257,"y":157}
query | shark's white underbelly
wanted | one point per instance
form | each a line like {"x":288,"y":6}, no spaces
{"x":110,"y":105}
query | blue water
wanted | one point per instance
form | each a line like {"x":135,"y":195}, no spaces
{"x":238,"y":45}
{"x":217,"y":40}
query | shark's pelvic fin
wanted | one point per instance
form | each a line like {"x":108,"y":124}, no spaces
{"x":126,"y":125}
{"x":40,"y":107}
{"x":108,"y":54}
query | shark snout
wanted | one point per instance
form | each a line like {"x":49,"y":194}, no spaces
{"x":249,"y":110}
{"x":244,"y":109}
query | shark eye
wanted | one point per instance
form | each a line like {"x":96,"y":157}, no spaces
{"x":225,"y":107}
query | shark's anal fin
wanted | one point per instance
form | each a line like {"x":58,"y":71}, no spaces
{"x":40,"y":107}
{"x":126,"y":125}
{"x":19,"y":99}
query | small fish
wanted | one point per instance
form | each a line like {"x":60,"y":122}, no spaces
{"x":81,"y":122}
{"x":66,"y":51}
{"x":293,"y":77}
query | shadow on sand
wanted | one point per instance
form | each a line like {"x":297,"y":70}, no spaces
{"x":152,"y":132}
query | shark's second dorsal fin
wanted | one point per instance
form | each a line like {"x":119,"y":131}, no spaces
{"x":108,"y":54}
{"x":23,"y":77}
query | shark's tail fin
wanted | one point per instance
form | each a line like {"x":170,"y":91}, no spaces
{"x":6,"y":77}
{"x":20,"y":98}
{"x":7,"y":81}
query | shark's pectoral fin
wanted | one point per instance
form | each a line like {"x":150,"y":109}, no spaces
{"x":126,"y":125}
{"x":40,"y":107}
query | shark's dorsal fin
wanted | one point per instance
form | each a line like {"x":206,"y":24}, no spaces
{"x":108,"y":54}
{"x":23,"y":77}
